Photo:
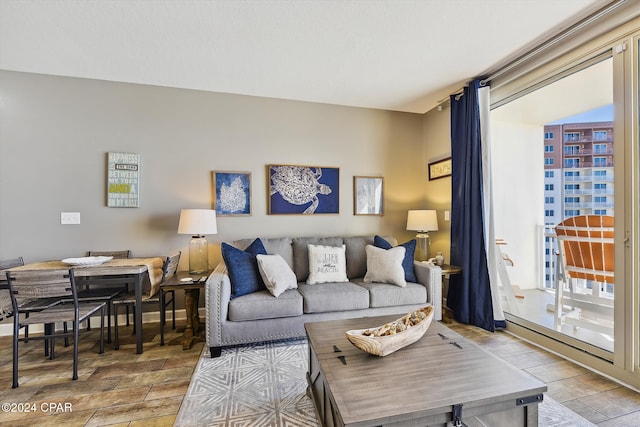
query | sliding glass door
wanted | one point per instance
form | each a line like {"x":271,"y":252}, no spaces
{"x":553,"y":159}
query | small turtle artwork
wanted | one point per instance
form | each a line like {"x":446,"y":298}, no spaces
{"x":299,"y":185}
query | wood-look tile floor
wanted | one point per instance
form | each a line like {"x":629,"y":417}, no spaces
{"x":594,"y":397}
{"x":122,"y":388}
{"x":117,"y":388}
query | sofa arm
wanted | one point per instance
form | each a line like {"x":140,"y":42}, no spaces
{"x":430,"y":276}
{"x":217,"y":297}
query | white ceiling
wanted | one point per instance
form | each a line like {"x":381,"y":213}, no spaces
{"x":403,"y":55}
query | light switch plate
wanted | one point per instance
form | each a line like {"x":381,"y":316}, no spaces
{"x":447,"y":217}
{"x":69,"y":217}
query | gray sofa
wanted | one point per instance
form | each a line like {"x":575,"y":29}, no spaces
{"x":259,"y":316}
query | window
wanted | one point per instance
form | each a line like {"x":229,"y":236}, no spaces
{"x":572,"y":186}
{"x":572,"y":199}
{"x":549,"y":135}
{"x":548,"y":187}
{"x":600,"y":161}
{"x":600,"y":199}
{"x":548,"y":161}
{"x":548,"y":174}
{"x":549,"y":199}
{"x":600,"y":173}
{"x":599,"y":135}
{"x":599,"y":211}
{"x":572,"y":150}
{"x":571,"y":136}
{"x":548,"y":148}
{"x":571,"y":212}
{"x":571,"y":173}
{"x":571,"y":163}
{"x":599,"y":148}
{"x":600,"y":188}
{"x":549,"y":212}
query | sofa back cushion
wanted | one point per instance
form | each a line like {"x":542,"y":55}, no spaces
{"x":301,"y":253}
{"x":274,"y":246}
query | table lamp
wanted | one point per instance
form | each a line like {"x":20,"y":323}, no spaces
{"x":422,"y":221}
{"x":198,"y":222}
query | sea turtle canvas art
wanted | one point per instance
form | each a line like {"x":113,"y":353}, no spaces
{"x":303,"y":189}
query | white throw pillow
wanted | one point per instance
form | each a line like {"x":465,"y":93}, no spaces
{"x":276,"y":274}
{"x":327,"y":264}
{"x":385,"y":265}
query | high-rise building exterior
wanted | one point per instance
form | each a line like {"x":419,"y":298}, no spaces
{"x":578,"y":171}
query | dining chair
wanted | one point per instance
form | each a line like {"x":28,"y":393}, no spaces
{"x":29,"y":306}
{"x":106,"y":291}
{"x":5,"y":298}
{"x":30,"y":285}
{"x":169,"y":268}
{"x":585,"y":273}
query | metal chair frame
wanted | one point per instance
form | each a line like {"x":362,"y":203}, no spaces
{"x":36,"y":285}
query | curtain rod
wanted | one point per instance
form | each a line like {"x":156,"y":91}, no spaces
{"x":558,"y":38}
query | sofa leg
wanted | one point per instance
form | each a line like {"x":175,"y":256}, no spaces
{"x":215,"y":351}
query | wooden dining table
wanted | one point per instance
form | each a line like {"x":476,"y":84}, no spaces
{"x":129,"y":270}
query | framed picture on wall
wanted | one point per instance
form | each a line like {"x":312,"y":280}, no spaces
{"x":232,"y":193}
{"x":440,"y":169}
{"x":307,"y":190}
{"x":368,"y":195}
{"x":123,"y":180}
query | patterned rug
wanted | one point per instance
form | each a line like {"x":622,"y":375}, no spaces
{"x":265,"y":385}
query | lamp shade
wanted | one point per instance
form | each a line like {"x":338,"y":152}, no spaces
{"x":422,"y":220}
{"x":197,"y":222}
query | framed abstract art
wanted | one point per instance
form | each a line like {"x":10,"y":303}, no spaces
{"x":232,"y":193}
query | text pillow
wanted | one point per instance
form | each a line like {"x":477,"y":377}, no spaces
{"x":407,"y":262}
{"x":243,"y":268}
{"x":327,"y":264}
{"x":276,"y":274}
{"x":385,"y":265}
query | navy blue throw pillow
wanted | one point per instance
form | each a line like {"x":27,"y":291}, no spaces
{"x":243,"y":268}
{"x":407,"y":262}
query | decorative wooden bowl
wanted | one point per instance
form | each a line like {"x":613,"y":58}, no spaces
{"x":390,"y":336}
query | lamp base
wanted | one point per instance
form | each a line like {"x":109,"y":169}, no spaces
{"x":422,"y":247}
{"x":198,"y":255}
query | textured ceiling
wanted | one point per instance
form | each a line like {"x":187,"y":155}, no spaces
{"x":403,"y":55}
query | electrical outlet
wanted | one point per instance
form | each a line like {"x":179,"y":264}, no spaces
{"x":447,"y":216}
{"x":69,"y":218}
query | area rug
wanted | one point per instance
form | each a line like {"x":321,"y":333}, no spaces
{"x":265,"y":385}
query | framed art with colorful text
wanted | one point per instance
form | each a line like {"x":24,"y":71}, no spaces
{"x":123,"y":180}
{"x":368,"y":195}
{"x":304,"y":190}
{"x":232,"y":193}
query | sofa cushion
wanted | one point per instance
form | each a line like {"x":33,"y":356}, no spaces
{"x":301,"y":253}
{"x":262,"y":305}
{"x":385,"y":265}
{"x":407,"y":263}
{"x":326,"y":297}
{"x":385,"y":295}
{"x":243,"y":268}
{"x":276,"y":274}
{"x":274,"y":246}
{"x":356,"y":257}
{"x":327,"y":264}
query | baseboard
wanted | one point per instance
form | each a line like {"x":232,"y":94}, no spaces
{"x":6,"y":327}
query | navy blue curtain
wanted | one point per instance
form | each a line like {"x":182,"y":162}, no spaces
{"x":469,"y":294}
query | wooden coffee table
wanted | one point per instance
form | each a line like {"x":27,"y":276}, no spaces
{"x":441,"y":377}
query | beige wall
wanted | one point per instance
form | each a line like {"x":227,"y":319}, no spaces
{"x":55,"y":133}
{"x":437,"y":193}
